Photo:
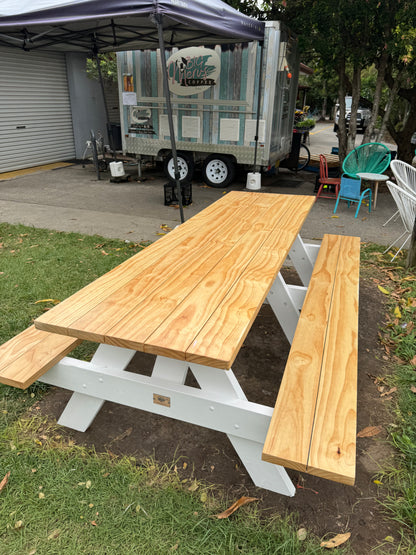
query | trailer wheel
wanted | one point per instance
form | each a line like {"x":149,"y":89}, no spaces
{"x":218,"y":170}
{"x":186,"y":167}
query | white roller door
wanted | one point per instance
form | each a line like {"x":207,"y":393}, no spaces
{"x":35,"y":112}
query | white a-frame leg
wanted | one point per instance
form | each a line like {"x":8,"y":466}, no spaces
{"x":219,"y":404}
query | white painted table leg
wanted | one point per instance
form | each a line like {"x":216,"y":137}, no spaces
{"x":286,"y":302}
{"x":82,"y":408}
{"x":80,"y":412}
{"x":303,"y":258}
{"x":264,"y":475}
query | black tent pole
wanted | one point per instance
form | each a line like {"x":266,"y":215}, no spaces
{"x":256,"y":138}
{"x":158,"y":18}
{"x":107,"y":115}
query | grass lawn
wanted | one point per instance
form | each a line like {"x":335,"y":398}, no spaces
{"x":62,"y":498}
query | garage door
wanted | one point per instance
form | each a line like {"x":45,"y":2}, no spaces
{"x":35,"y":112}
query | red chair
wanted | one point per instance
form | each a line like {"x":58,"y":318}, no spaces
{"x":328,"y":186}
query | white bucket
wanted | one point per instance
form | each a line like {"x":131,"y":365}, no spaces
{"x":117,"y":169}
{"x":253,"y":181}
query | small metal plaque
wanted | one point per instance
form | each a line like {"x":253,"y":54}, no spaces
{"x":161,"y":400}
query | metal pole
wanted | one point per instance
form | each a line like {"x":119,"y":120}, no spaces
{"x":158,"y":18}
{"x":107,"y":115}
{"x":256,"y":138}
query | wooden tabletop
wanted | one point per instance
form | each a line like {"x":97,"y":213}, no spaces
{"x":193,"y":294}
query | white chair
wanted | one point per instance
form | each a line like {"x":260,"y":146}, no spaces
{"x":406,"y":204}
{"x":405,"y":175}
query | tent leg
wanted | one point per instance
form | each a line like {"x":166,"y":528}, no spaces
{"x":158,"y":18}
{"x":107,"y":116}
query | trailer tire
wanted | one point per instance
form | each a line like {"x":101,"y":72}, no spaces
{"x":218,"y":170}
{"x":186,"y":167}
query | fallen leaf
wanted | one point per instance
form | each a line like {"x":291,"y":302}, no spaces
{"x":104,"y":253}
{"x":53,"y":535}
{"x":339,"y":539}
{"x":369,"y":431}
{"x":397,"y":312}
{"x":383,"y":290}
{"x":18,"y":524}
{"x":41,"y":495}
{"x":302,"y":534}
{"x":88,"y":484}
{"x":54,"y":301}
{"x":412,"y":389}
{"x":204,"y":497}
{"x":194,"y":486}
{"x":378,"y":483}
{"x":389,"y":539}
{"x":3,"y":483}
{"x":239,"y":503}
{"x":392,"y":390}
{"x":94,"y":523}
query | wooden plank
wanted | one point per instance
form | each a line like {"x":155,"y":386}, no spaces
{"x":189,"y":288}
{"x":220,"y":339}
{"x":289,"y":435}
{"x":24,"y":358}
{"x":333,"y":446}
{"x":128,"y":316}
{"x":188,"y":237}
{"x":179,"y":329}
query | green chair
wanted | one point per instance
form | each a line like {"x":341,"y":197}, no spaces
{"x":367,"y":158}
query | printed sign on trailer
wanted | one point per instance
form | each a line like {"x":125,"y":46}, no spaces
{"x":193,"y":70}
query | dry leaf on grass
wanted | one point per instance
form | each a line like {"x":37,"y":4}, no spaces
{"x":242,"y":501}
{"x":339,"y":539}
{"x":369,"y":431}
{"x":412,"y":389}
{"x":4,"y":481}
{"x":392,"y":390}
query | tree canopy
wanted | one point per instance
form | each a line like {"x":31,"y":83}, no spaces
{"x":352,"y":38}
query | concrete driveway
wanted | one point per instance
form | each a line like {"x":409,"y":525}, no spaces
{"x":72,"y":199}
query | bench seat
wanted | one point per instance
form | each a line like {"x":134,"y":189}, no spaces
{"x":31,"y":353}
{"x":313,"y":427}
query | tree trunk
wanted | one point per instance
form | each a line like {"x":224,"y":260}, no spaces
{"x":342,"y":129}
{"x":389,"y":106}
{"x":356,"y":89}
{"x":411,"y":255}
{"x":377,"y":96}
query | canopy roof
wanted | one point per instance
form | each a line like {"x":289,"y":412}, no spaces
{"x":115,"y":25}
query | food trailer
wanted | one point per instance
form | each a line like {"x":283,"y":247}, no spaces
{"x":232,"y":104}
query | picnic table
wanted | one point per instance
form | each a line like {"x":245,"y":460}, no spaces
{"x":190,"y":299}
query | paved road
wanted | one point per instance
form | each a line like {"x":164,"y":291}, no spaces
{"x":71,"y":199}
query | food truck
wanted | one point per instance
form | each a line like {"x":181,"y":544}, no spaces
{"x":232,"y":104}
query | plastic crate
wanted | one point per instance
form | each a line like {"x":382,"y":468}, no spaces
{"x":171,"y":197}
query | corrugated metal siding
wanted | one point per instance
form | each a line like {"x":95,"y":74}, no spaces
{"x":35,"y":112}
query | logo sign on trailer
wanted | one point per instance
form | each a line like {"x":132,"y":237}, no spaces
{"x":193,"y":70}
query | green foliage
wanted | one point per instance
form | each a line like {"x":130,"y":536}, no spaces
{"x":400,"y":339}
{"x":108,"y":65}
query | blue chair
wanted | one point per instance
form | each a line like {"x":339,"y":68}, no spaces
{"x":350,"y":190}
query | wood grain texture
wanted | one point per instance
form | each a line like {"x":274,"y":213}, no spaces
{"x":313,"y":426}
{"x":333,"y":445}
{"x":160,"y":300}
{"x":24,"y":358}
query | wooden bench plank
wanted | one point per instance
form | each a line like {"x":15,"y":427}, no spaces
{"x":25,"y":357}
{"x":333,"y":446}
{"x":313,"y":423}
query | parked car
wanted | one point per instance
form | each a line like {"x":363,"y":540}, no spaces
{"x":363,"y":115}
